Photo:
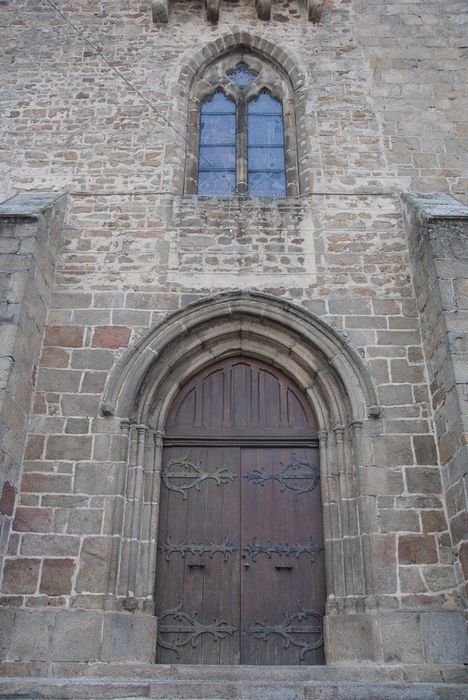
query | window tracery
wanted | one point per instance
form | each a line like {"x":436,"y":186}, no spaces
{"x":242,"y":130}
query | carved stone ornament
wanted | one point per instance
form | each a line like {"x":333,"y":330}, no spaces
{"x":160,"y":11}
{"x":263,"y":9}
{"x":212,"y":11}
{"x":314,"y":10}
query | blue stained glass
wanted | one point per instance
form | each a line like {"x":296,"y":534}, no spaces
{"x":217,"y":154}
{"x":267,"y":184}
{"x":216,"y":183}
{"x":218,"y":103}
{"x":217,"y":158}
{"x":218,"y":129}
{"x":265,"y":151}
{"x":266,"y":159}
{"x":241,"y":75}
{"x":265,"y":130}
{"x":265,"y":104}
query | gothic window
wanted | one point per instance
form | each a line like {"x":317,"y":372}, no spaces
{"x":242,"y":131}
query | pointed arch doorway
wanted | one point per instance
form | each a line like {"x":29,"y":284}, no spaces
{"x":240,"y":569}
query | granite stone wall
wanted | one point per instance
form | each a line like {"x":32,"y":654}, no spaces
{"x":381,"y":114}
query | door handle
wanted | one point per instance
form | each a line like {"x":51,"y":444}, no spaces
{"x":196,"y":566}
{"x":288,"y":567}
{"x":246,"y":565}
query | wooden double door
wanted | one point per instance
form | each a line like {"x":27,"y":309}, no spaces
{"x":240,"y":575}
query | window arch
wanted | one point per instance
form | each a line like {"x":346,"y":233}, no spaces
{"x":241,"y":130}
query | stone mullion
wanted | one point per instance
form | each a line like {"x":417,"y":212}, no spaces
{"x":135,"y":520}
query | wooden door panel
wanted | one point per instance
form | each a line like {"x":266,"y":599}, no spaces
{"x":198,"y":556}
{"x":282,"y":580}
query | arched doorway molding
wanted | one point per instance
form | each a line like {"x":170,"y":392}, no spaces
{"x":320,"y":362}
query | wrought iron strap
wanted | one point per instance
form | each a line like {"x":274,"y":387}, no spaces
{"x":169,"y":547}
{"x":291,"y":626}
{"x":177,"y":621}
{"x":255,"y":548}
{"x":298,"y":476}
{"x":191,"y":475}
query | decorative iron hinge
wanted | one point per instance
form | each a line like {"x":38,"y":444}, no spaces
{"x":298,"y":476}
{"x":194,"y":629}
{"x":227,"y":548}
{"x":291,"y":626}
{"x":255,"y":548}
{"x":192,"y":474}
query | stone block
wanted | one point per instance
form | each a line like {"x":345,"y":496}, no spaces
{"x":399,"y":521}
{"x":376,"y":481}
{"x":425,"y":449}
{"x":56,"y":576}
{"x":444,"y":637}
{"x":99,"y":479}
{"x":417,"y":549}
{"x":64,"y":336}
{"x":20,"y":575}
{"x":87,"y":358}
{"x":433,"y":521}
{"x":33,"y":482}
{"x":58,"y":380}
{"x":439,"y":578}
{"x":393,"y":450}
{"x":50,"y":545}
{"x":129,"y":637}
{"x":93,"y":565}
{"x":7,"y":618}
{"x":352,"y":638}
{"x":31,"y":634}
{"x":69,"y":447}
{"x":401,"y":638}
{"x":384,"y":563}
{"x":423,"y":480}
{"x":85,"y":521}
{"x":80,"y":405}
{"x":111,"y":337}
{"x":32,"y":520}
{"x":7,"y":498}
{"x":76,"y":636}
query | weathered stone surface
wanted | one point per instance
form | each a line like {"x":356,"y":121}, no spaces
{"x":77,"y":636}
{"x":20,"y":575}
{"x":417,"y":549}
{"x":56,"y":576}
{"x":129,"y":637}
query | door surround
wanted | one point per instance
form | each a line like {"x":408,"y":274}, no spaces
{"x":321,"y":363}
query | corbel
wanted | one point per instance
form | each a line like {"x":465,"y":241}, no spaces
{"x":212,"y":11}
{"x":263,"y":9}
{"x":314,"y":10}
{"x":160,"y":11}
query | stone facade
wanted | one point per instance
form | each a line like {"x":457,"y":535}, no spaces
{"x":345,"y":286}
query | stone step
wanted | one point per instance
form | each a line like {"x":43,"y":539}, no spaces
{"x":179,"y":682}
{"x":91,"y":689}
